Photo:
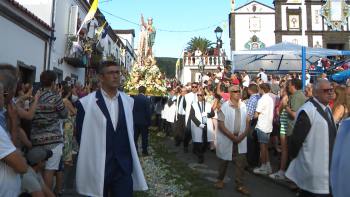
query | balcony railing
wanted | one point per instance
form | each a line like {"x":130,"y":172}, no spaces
{"x":75,"y":59}
{"x":207,"y":60}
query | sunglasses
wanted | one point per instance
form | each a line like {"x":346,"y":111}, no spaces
{"x":235,"y":91}
{"x":5,"y":93}
{"x":194,"y":86}
{"x":199,"y":94}
{"x":327,"y":90}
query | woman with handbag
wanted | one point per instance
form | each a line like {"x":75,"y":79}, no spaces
{"x":68,"y":127}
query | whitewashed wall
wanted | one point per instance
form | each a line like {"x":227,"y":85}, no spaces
{"x":243,"y":35}
{"x":16,"y":44}
{"x":60,"y":45}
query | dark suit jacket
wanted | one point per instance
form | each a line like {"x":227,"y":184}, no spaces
{"x":142,"y":110}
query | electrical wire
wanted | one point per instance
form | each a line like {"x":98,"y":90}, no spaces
{"x":165,"y":30}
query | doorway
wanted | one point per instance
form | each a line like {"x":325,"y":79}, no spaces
{"x":336,"y":46}
{"x":26,"y":73}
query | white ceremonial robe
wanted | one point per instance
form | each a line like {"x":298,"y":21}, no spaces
{"x":165,"y":110}
{"x":224,"y":144}
{"x":310,"y":169}
{"x":172,"y":111}
{"x":90,"y":169}
{"x":189,"y":100}
{"x":197,"y":131}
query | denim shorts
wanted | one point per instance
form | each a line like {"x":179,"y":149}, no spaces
{"x":262,"y":137}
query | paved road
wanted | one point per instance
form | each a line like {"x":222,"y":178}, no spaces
{"x":258,"y":185}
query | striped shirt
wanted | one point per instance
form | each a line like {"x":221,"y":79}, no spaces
{"x":46,"y":131}
{"x":283,"y":121}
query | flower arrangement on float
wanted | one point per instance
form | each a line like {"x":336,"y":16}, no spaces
{"x":147,"y":75}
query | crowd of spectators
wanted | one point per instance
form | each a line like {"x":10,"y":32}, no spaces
{"x":36,"y":132}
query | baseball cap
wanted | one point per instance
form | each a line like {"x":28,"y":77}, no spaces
{"x":38,"y":154}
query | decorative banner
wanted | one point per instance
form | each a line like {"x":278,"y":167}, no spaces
{"x":254,"y":43}
{"x":335,"y":12}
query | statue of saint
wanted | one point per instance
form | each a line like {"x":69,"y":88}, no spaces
{"x":151,"y":34}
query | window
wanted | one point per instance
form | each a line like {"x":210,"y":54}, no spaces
{"x":109,"y":47}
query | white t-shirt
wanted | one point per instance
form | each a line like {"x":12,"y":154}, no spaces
{"x":263,"y":76}
{"x":265,"y":108}
{"x":10,"y":182}
{"x":307,"y":81}
{"x":246,"y":81}
{"x":218,"y":75}
{"x":206,"y":78}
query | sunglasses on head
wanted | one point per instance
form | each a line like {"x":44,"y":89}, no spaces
{"x":194,"y":86}
{"x":235,"y":91}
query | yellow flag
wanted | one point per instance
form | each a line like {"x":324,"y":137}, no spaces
{"x":178,"y":63}
{"x":90,"y":15}
{"x":223,"y":24}
{"x":101,"y":30}
{"x":121,"y":52}
{"x":114,"y":44}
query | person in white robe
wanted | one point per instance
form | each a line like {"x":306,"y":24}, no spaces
{"x":108,"y":163}
{"x":202,"y":128}
{"x":190,"y":98}
{"x":231,"y":138}
{"x":312,"y":143}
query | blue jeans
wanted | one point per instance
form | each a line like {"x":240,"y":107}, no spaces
{"x":262,"y":137}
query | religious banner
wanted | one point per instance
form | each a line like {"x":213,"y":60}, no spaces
{"x":335,"y":12}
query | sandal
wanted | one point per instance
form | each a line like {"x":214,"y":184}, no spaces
{"x":294,"y":187}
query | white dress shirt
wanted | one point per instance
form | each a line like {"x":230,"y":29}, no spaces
{"x":112,"y":106}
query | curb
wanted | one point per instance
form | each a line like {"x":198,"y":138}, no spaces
{"x":266,"y":177}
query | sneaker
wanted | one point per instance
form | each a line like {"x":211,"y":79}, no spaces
{"x":277,"y":176}
{"x":243,"y":191}
{"x":260,"y":171}
{"x":269,"y":171}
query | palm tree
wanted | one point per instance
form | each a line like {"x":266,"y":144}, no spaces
{"x":202,"y":43}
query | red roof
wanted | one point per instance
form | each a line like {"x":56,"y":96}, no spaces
{"x":29,"y":13}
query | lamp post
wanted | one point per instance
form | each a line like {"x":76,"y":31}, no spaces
{"x":218,"y":32}
{"x":201,"y":68}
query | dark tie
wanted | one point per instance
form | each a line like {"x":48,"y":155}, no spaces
{"x":329,"y":114}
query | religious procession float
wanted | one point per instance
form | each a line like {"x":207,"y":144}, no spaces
{"x":145,"y":71}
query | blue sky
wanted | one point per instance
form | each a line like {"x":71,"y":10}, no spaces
{"x":176,"y":15}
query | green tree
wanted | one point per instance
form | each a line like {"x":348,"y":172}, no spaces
{"x":202,"y":43}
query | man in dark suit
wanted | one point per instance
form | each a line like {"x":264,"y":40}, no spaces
{"x":142,"y":119}
{"x":180,"y":117}
{"x":107,"y":164}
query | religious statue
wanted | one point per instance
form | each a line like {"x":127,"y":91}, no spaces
{"x":149,"y":36}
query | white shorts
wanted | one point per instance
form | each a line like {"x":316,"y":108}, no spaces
{"x":54,"y":162}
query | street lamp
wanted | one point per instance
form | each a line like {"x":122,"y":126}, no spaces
{"x":201,"y":68}
{"x":218,"y":32}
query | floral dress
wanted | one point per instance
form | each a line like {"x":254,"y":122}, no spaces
{"x":67,"y":138}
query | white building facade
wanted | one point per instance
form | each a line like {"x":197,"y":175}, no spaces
{"x":37,"y":36}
